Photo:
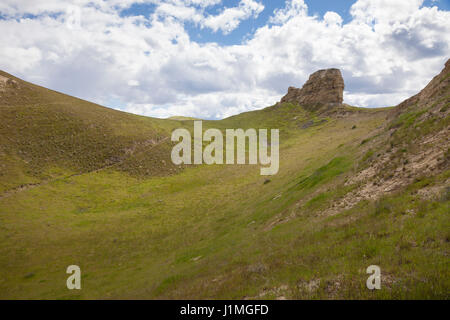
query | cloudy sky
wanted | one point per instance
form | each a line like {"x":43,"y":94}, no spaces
{"x":215,"y":58}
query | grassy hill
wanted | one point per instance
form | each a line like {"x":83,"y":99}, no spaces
{"x":45,"y":134}
{"x":87,"y":185}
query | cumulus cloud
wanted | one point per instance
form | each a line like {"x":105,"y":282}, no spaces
{"x":230,"y":18}
{"x":148,"y":64}
{"x":294,"y":8}
{"x":194,"y":11}
{"x":332,"y":18}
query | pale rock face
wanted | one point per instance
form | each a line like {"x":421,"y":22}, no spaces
{"x":6,"y":83}
{"x":324,"y":88}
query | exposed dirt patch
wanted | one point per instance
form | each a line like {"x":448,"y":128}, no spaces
{"x":310,"y":286}
{"x":279,"y":293}
{"x":375,"y":181}
{"x":433,"y":192}
{"x":7,"y":83}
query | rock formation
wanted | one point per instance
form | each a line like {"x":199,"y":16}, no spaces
{"x":6,"y":83}
{"x":324,"y":88}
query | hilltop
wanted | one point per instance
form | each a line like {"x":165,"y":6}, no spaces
{"x":83,"y":184}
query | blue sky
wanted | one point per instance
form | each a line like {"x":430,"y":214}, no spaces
{"x":215,"y":58}
{"x":248,"y":27}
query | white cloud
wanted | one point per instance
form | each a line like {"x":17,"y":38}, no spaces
{"x":294,"y":8}
{"x":180,"y":11}
{"x":332,"y":18}
{"x":230,"y":18}
{"x":152,"y":67}
{"x":133,"y":83}
{"x":384,"y":11}
{"x":204,"y":105}
{"x":194,"y":11}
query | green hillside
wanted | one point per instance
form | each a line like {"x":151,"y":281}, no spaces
{"x":45,"y":134}
{"x":86,"y":185}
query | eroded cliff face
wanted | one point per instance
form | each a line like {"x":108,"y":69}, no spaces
{"x":324,"y":88}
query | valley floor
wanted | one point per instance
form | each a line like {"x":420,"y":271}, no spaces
{"x":226,"y":232}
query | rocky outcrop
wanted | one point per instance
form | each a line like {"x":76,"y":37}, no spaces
{"x":7,"y":83}
{"x":324,"y":88}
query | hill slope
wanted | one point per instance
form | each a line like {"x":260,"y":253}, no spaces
{"x":45,"y":134}
{"x":356,"y":187}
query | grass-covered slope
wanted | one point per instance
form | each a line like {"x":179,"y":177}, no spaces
{"x":45,"y":134}
{"x":352,"y":191}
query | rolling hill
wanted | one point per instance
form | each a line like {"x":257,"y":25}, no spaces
{"x":83,"y":184}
